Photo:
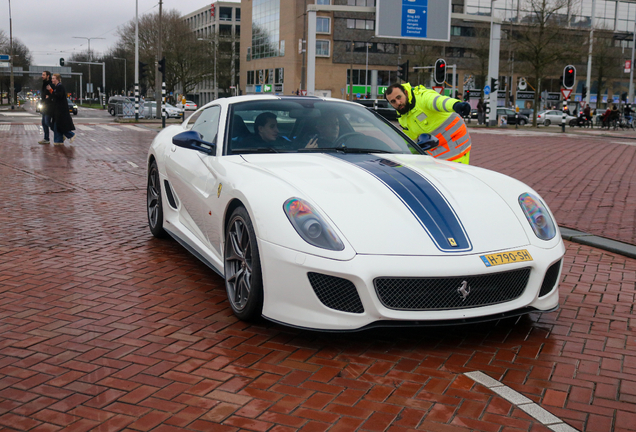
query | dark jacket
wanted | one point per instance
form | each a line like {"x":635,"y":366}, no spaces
{"x":45,"y":95}
{"x":60,"y":114}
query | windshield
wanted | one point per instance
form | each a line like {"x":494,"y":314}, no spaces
{"x":311,"y":125}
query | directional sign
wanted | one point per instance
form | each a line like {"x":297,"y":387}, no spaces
{"x":416,"y":19}
{"x":5,"y":57}
{"x":486,"y":90}
{"x":438,"y":89}
{"x":566,"y":93}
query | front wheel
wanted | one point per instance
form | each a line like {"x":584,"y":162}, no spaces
{"x":522,"y":122}
{"x":112,"y":111}
{"x":546,"y":122}
{"x":154,"y":204}
{"x":243,"y":277}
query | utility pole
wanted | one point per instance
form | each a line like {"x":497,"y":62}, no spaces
{"x":11,"y":83}
{"x":631,"y":69}
{"x":90,"y":57}
{"x":159,"y":77}
{"x":588,"y":81}
{"x":136,"y":60}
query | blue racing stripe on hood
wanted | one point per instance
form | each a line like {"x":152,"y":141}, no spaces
{"x":420,"y":196}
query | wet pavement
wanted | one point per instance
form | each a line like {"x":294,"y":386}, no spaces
{"x":103,"y":327}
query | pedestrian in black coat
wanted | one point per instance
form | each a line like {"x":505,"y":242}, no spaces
{"x":62,"y":121}
{"x":45,"y":106}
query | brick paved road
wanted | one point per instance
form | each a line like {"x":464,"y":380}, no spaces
{"x":103,"y":327}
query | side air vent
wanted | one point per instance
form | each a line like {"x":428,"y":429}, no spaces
{"x":550,"y":279}
{"x":336,"y":293}
{"x":171,"y":198}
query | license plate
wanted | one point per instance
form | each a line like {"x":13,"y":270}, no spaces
{"x":506,"y":257}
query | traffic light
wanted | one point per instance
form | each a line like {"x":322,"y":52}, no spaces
{"x":162,"y":66}
{"x":403,"y":71}
{"x":466,"y":95}
{"x":142,"y":70}
{"x":584,"y":92}
{"x":440,"y":71}
{"x":569,"y":75}
{"x":494,"y":84}
{"x":61,"y":62}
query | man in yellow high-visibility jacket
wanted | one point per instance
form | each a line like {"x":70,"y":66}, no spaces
{"x":422,"y":110}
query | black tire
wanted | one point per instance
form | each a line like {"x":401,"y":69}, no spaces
{"x":573,"y":123}
{"x":546,"y":122}
{"x":154,"y":204}
{"x":243,"y":277}
{"x":112,"y":112}
{"x":522,"y":122}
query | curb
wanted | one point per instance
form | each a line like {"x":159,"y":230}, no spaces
{"x":606,"y":244}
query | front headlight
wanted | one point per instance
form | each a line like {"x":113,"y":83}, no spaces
{"x":538,"y":216}
{"x":311,"y":226}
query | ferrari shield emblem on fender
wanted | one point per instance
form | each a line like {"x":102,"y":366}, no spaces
{"x":452,"y":242}
{"x":464,"y":290}
{"x":218,"y":192}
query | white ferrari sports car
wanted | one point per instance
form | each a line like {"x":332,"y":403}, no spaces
{"x":319,"y":214}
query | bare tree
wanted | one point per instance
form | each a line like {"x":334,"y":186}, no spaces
{"x":187,"y":58}
{"x":606,"y":63}
{"x":21,"y":58}
{"x":543,"y":43}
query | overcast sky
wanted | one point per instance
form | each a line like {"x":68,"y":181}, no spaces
{"x":48,"y":27}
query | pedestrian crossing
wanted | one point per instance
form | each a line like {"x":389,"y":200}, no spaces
{"x":33,"y":127}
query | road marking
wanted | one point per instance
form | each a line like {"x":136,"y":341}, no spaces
{"x":109,"y":128}
{"x":5,"y":128}
{"x":633,"y":143}
{"x":92,"y":139}
{"x":84,"y":127}
{"x":106,"y":148}
{"x":523,"y":403}
{"x":17,"y":114}
{"x":138,"y":129}
{"x":134,"y":165}
{"x":30,"y":127}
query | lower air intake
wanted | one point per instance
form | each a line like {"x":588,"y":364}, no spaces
{"x":336,"y":293}
{"x":550,"y":279}
{"x":451,"y":293}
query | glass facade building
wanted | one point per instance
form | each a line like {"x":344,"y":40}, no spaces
{"x":265,"y":28}
{"x":616,"y":16}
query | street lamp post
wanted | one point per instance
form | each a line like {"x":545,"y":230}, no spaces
{"x":125,"y":73}
{"x":11,"y":83}
{"x":90,"y":57}
{"x":215,"y":42}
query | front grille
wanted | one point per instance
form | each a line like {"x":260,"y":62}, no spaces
{"x":550,"y":279}
{"x":336,"y":293}
{"x":446,"y":293}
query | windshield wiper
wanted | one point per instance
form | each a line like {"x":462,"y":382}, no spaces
{"x":344,"y":149}
{"x":255,"y":150}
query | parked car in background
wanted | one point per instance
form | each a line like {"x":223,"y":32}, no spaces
{"x":72,"y":107}
{"x":150,"y":110}
{"x":528,"y":112}
{"x":188,"y":106}
{"x":510,"y":116}
{"x":548,"y":117}
{"x":114,"y":100}
{"x":381,"y":106}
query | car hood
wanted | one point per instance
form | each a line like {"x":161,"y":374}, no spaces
{"x":402,"y":204}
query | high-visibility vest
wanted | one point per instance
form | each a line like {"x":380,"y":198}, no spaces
{"x":433,"y":113}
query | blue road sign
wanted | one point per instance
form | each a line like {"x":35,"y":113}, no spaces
{"x":486,"y":90}
{"x":414,"y":15}
{"x":358,"y":95}
{"x":5,"y":57}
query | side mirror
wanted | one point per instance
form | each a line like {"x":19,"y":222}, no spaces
{"x":427,"y":141}
{"x":192,"y":140}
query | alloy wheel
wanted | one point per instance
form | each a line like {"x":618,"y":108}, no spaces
{"x":238,"y":264}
